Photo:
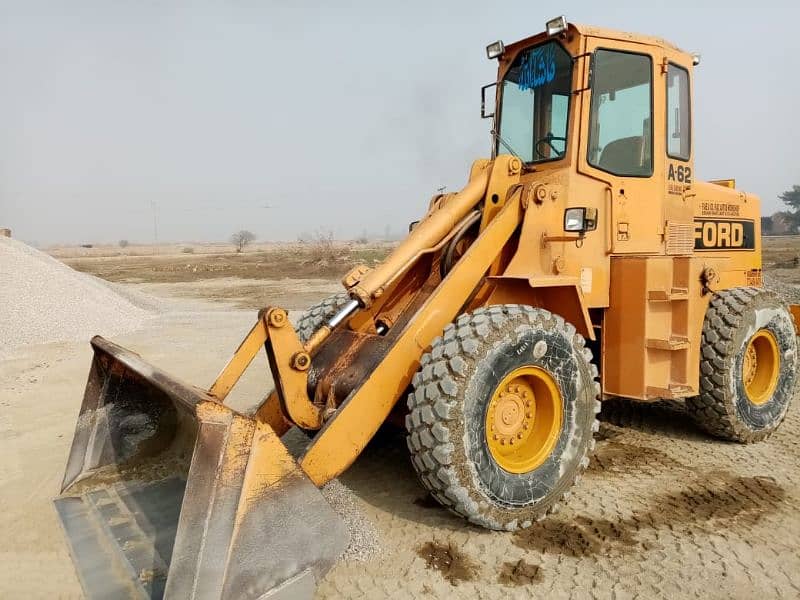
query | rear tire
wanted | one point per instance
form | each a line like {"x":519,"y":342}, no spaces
{"x":319,"y":314}
{"x":747,"y":365}
{"x":459,"y":382}
{"x":311,"y":320}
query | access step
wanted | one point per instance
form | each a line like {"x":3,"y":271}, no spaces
{"x":675,"y":390}
{"x":676,"y":342}
{"x":676,"y":293}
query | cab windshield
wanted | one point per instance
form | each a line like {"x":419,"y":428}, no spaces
{"x":534,"y":104}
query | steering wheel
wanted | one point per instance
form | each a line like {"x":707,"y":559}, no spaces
{"x":549,"y":139}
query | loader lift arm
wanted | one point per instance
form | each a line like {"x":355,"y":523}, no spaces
{"x":348,"y":429}
{"x":289,"y":361}
{"x":344,"y":436}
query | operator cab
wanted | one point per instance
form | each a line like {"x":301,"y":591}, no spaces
{"x":614,"y":109}
{"x":540,"y":79}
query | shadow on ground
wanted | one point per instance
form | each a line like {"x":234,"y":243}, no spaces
{"x":665,"y":417}
{"x":384,"y":477}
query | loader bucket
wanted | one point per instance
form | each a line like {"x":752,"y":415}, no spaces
{"x":170,"y":494}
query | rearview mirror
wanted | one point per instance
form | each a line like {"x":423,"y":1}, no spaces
{"x":484,"y":113}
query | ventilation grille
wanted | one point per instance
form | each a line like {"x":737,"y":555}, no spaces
{"x":680,"y":238}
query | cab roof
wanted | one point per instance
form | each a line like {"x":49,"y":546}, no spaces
{"x":599,"y":32}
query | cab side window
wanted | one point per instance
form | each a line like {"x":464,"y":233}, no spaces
{"x":679,"y":128}
{"x":621,"y":116}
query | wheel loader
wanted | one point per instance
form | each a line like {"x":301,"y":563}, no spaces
{"x":584,"y":261}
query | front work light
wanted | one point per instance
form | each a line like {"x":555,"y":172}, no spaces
{"x":495,"y":49}
{"x":556,"y":26}
{"x":580,"y":219}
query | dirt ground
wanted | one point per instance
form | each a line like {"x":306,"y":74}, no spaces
{"x":251,"y":279}
{"x":663,"y":512}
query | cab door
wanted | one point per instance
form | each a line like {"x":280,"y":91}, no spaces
{"x":620,"y":144}
{"x":679,"y":167}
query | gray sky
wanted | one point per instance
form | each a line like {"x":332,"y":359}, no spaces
{"x":345,"y":116}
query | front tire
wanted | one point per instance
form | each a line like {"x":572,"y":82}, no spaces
{"x":502,"y":415}
{"x":747,"y":367}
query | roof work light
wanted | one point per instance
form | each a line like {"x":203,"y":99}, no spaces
{"x":495,"y":49}
{"x":556,"y":26}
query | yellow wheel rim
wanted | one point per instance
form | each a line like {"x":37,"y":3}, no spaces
{"x":523,"y":419}
{"x":761,"y":367}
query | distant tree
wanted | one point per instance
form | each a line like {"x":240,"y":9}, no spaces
{"x":242,"y":238}
{"x":782,"y":222}
{"x":766,"y":225}
{"x":123,"y":243}
{"x":791,"y":198}
{"x":363,"y":238}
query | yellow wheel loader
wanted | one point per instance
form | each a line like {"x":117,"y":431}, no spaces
{"x":584,"y":261}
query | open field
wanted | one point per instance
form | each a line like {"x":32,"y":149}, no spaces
{"x":781,"y":258}
{"x":664,"y":511}
{"x":294,"y":275}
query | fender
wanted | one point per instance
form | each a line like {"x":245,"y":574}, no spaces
{"x":560,"y":295}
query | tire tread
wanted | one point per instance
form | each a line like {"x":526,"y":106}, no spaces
{"x":435,"y":392}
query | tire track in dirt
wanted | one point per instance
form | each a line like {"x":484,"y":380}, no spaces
{"x":663,"y":511}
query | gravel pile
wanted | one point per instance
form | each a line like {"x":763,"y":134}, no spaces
{"x":789,"y":291}
{"x":364,"y":537}
{"x":43,"y":300}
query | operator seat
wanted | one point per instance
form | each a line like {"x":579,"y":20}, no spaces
{"x":625,"y":156}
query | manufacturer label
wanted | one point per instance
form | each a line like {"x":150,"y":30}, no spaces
{"x":718,"y":234}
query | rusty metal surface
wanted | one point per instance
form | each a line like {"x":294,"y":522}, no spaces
{"x":345,"y":359}
{"x":254,"y":520}
{"x":168,"y":493}
{"x":348,"y":357}
{"x":794,"y":309}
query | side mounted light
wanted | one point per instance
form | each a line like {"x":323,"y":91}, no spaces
{"x":580,"y":219}
{"x":556,"y":26}
{"x":495,"y":49}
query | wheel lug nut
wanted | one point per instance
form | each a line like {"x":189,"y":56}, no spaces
{"x":529,"y":414}
{"x":511,"y":441}
{"x":495,"y":436}
{"x":503,"y":442}
{"x":524,"y":425}
{"x":525,"y":394}
{"x":519,"y":435}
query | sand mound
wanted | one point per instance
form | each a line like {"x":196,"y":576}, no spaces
{"x":43,"y":300}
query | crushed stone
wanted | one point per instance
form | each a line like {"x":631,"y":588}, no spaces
{"x":364,"y":538}
{"x":364,"y":543}
{"x":43,"y":300}
{"x":788,"y":291}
